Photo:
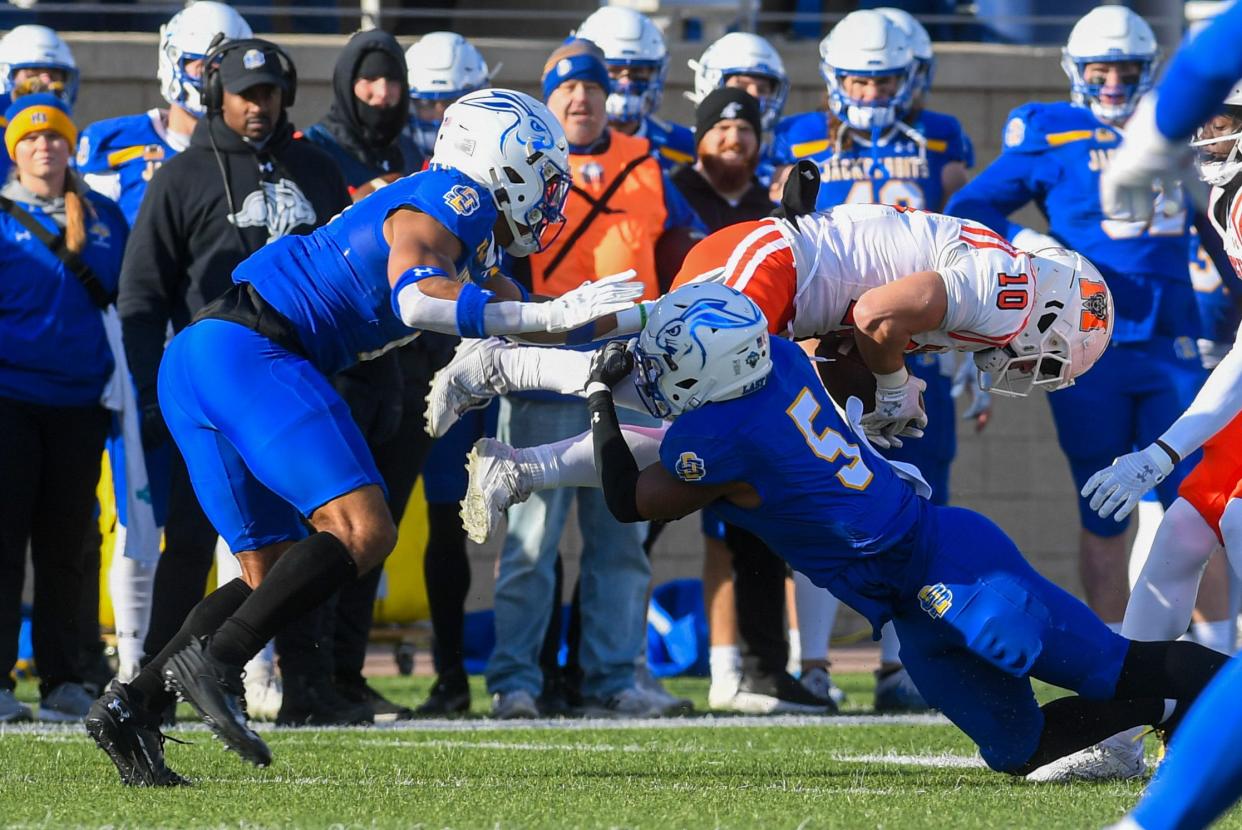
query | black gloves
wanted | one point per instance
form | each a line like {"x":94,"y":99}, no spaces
{"x":611,"y":364}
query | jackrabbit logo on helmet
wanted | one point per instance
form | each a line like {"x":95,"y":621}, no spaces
{"x":710,"y":314}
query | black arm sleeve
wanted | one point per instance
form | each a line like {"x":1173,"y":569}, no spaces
{"x":618,"y":472}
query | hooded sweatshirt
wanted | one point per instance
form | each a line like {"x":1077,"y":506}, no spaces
{"x":367,"y":142}
{"x":205,"y":211}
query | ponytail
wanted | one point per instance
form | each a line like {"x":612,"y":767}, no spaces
{"x":76,"y":208}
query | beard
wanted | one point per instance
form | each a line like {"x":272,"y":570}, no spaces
{"x":728,"y":175}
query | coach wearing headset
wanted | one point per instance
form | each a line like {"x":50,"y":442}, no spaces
{"x":244,"y":181}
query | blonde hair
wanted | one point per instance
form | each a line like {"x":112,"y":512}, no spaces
{"x":76,"y":211}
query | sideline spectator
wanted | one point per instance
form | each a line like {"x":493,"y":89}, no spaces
{"x":61,"y":261}
{"x":619,"y":207}
{"x":244,"y":181}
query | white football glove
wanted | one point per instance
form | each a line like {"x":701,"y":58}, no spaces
{"x":1031,"y":241}
{"x":1146,"y":159}
{"x":898,"y":410}
{"x":967,"y":380}
{"x":1121,"y":486}
{"x":592,"y":300}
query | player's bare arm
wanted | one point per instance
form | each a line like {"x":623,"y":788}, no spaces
{"x":888,"y":316}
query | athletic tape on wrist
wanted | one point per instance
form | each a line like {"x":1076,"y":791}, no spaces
{"x":411,"y":276}
{"x":470,"y":304}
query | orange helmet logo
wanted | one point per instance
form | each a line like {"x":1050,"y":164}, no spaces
{"x":1094,"y":305}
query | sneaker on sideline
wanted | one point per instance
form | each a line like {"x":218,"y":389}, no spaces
{"x":67,"y":703}
{"x":515,"y":705}
{"x":13,"y":710}
{"x":630,"y":702}
{"x":819,"y":683}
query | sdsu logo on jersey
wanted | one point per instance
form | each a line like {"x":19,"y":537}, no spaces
{"x":1094,"y":306}
{"x":690,"y":467}
{"x":462,"y":199}
{"x":936,"y":599}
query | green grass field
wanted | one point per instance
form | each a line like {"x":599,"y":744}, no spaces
{"x":847,"y":772}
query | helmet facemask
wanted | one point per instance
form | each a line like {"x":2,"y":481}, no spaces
{"x":1219,"y":165}
{"x":631,"y":99}
{"x":533,"y":227}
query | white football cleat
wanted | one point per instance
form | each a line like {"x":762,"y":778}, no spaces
{"x":469,"y":381}
{"x":1119,"y":758}
{"x":495,"y":483}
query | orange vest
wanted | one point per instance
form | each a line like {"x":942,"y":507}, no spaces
{"x":622,"y":236}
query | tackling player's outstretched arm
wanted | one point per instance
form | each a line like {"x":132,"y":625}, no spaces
{"x":653,"y":493}
{"x":425,"y":294}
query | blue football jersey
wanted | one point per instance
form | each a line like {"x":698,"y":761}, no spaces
{"x":118,"y":156}
{"x":1053,"y":155}
{"x":900,"y":171}
{"x":832,"y":508}
{"x":672,"y":144}
{"x":332,"y":284}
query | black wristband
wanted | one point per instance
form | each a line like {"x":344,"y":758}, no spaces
{"x":618,"y":471}
{"x":1177,"y":459}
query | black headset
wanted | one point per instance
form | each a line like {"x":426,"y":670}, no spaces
{"x":213,"y":88}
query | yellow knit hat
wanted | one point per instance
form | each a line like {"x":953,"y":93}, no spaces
{"x":32,"y":113}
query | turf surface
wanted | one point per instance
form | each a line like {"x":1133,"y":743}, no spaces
{"x":856,"y":771}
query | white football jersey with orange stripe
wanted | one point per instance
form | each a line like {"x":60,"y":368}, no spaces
{"x":807,"y":274}
{"x":1231,"y":231}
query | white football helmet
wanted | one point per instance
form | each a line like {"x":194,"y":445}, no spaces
{"x":511,"y":145}
{"x":1214,"y":168}
{"x":867,"y":43}
{"x":443,"y":66}
{"x":920,"y":44}
{"x":37,"y":47}
{"x":1109,"y":34}
{"x":1069,"y":328}
{"x":186,"y":37}
{"x":628,"y":38}
{"x":741,"y":53}
{"x":703,"y":342}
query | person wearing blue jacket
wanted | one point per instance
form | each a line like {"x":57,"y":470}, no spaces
{"x":55,"y":363}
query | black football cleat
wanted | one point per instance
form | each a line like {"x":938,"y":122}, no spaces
{"x":450,"y":695}
{"x":215,"y":691}
{"x":131,"y":738}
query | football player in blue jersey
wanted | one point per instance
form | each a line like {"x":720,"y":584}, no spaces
{"x":637,"y":59}
{"x":751,"y":64}
{"x":443,"y":66}
{"x":754,"y":434}
{"x":417,"y":254}
{"x":877,"y":143}
{"x":119,"y":155}
{"x":1054,"y":155}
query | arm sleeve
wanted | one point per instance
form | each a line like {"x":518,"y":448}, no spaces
{"x":1208,"y":66}
{"x":678,"y":212}
{"x":618,"y":471}
{"x":150,"y":274}
{"x":1002,"y":187}
{"x":1218,"y":403}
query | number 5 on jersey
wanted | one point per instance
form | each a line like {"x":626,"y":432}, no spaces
{"x":829,"y":445}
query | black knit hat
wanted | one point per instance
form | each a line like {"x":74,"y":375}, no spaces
{"x":725,"y":104}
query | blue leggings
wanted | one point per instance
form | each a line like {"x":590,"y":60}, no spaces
{"x":981,"y":622}
{"x":265,"y":437}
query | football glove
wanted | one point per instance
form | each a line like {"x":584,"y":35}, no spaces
{"x":1145,"y":159}
{"x":898,"y":410}
{"x":611,"y":364}
{"x":590,"y":301}
{"x":1121,"y":486}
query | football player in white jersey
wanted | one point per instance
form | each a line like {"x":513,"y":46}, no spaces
{"x":880,"y":281}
